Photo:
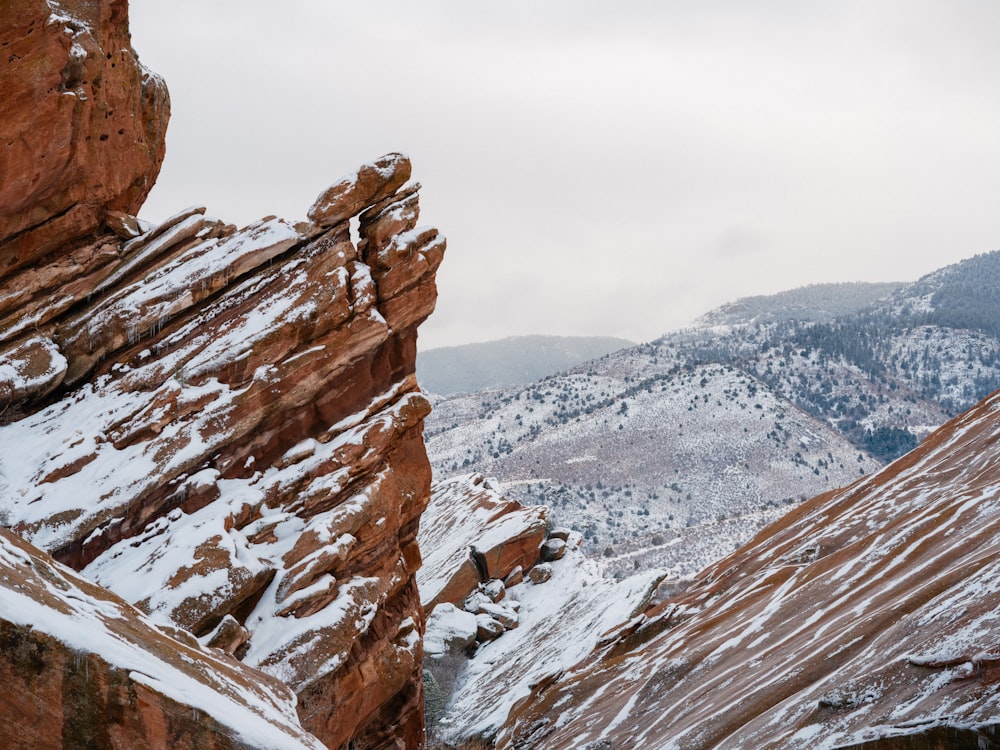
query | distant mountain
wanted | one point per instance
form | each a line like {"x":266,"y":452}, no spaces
{"x":816,"y":302}
{"x":629,"y":446}
{"x":675,"y":451}
{"x":511,"y":361}
{"x":874,"y":373}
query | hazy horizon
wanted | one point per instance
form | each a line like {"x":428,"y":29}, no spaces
{"x":601,"y":171}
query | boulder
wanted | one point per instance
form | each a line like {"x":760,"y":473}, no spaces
{"x":494,"y":589}
{"x":560,"y":532}
{"x":488,"y":628}
{"x":552,"y":549}
{"x":450,"y":630}
{"x":356,"y":191}
{"x":29,"y":370}
{"x":515,"y":577}
{"x":540,"y":573}
{"x":228,"y":635}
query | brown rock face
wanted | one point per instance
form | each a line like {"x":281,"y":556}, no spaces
{"x":866,"y":618}
{"x":83,"y":124}
{"x":83,"y":669}
{"x":220,"y":425}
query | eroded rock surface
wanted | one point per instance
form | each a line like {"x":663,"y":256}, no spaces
{"x":83,"y":126}
{"x":82,"y":668}
{"x":221,"y":425}
{"x":866,"y":618}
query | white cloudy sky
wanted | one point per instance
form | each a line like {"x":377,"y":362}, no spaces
{"x":602,"y":168}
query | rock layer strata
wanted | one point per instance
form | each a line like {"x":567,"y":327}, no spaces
{"x":81,"y":668}
{"x":866,"y":618}
{"x":221,"y":425}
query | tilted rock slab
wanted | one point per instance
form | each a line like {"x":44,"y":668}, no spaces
{"x":235,"y":431}
{"x":83,"y":669}
{"x":869,"y":617}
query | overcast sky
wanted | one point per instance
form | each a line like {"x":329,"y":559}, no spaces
{"x":601,"y":168}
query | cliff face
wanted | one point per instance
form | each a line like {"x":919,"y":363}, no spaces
{"x":83,"y":124}
{"x":866,"y":618}
{"x":221,"y":425}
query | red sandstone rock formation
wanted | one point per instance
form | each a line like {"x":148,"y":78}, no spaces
{"x":83,"y":669}
{"x":468,"y":513}
{"x":221,"y":425}
{"x":866,"y":618}
{"x":82,"y":132}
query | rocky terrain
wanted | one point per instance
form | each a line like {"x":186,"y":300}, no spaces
{"x":865,"y":618}
{"x":516,"y":360}
{"x":221,"y":425}
{"x":216,"y":498}
{"x":510,"y":604}
{"x":81,"y":668}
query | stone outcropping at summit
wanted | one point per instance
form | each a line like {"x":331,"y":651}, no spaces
{"x":220,"y":425}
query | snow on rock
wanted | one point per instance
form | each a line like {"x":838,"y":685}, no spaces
{"x":31,"y":369}
{"x":449,"y":629}
{"x":559,"y":623}
{"x":65,"y":636}
{"x":220,"y":424}
{"x":223,"y":426}
{"x":528,"y":630}
{"x":470,"y":532}
{"x":866,"y":614}
{"x":356,"y":191}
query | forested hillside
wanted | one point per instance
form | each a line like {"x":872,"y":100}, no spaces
{"x":674,"y":451}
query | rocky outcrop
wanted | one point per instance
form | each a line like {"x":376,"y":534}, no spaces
{"x":866,"y":618}
{"x":472,"y":534}
{"x":489,"y":641}
{"x":221,"y":425}
{"x":82,"y":133}
{"x":83,"y":669}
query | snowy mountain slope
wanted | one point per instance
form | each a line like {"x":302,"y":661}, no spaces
{"x":901,"y":364}
{"x":869,"y":612}
{"x":816,"y":302}
{"x":666,"y":436}
{"x":616,"y":456}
